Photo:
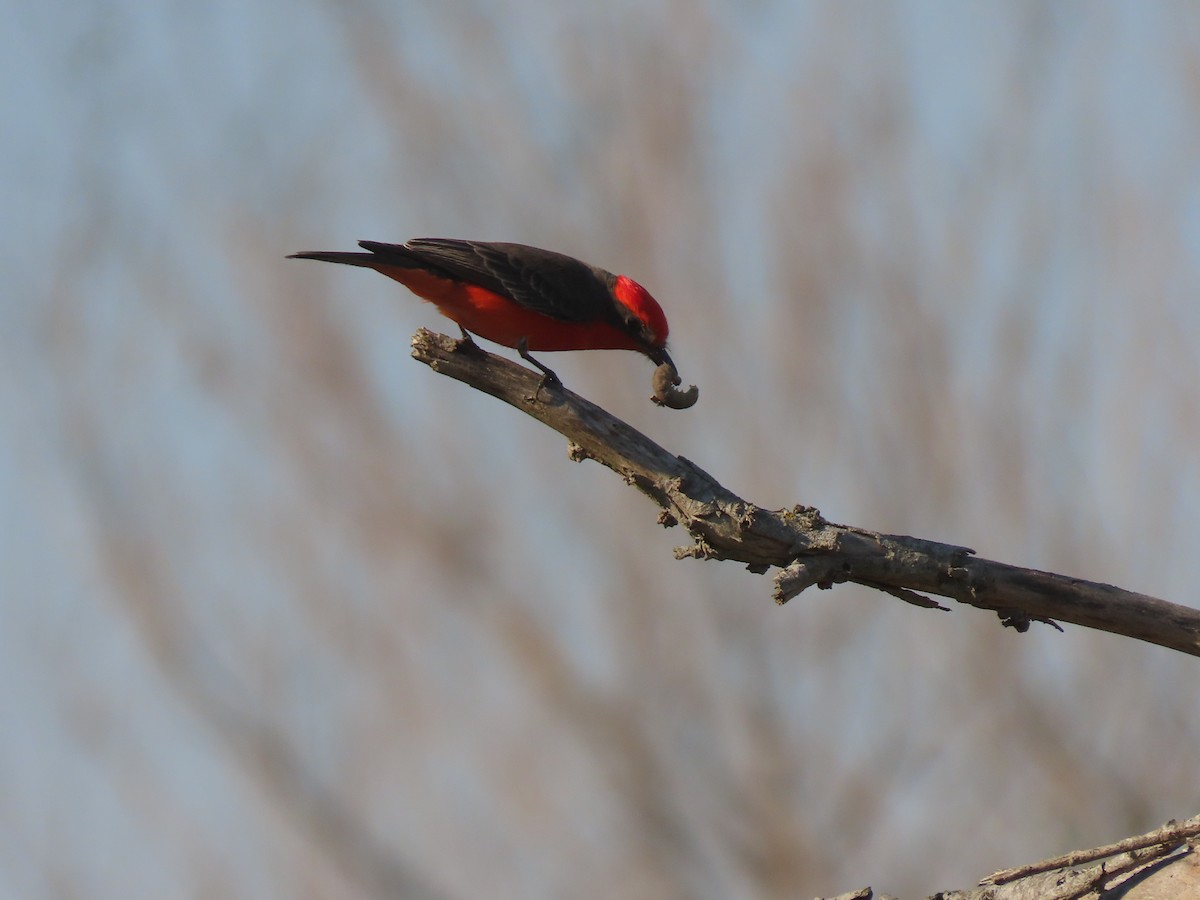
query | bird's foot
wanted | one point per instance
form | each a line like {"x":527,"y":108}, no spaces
{"x":549,"y":378}
{"x":466,"y":344}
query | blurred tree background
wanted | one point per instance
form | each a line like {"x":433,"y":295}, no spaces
{"x":284,"y":614}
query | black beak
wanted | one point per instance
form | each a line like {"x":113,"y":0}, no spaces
{"x":659,"y":356}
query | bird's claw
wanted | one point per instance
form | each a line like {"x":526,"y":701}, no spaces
{"x":549,"y":379}
{"x":466,"y":344}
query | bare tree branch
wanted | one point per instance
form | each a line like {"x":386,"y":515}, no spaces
{"x":1162,"y":840}
{"x":808,"y":549}
{"x":1145,"y":867}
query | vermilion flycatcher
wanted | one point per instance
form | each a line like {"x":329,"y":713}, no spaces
{"x":527,"y":298}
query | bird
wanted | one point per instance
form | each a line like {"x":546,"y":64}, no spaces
{"x":523,"y":297}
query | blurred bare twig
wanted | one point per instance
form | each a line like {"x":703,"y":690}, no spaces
{"x":1147,"y":868}
{"x":1161,"y":841}
{"x":809,"y":549}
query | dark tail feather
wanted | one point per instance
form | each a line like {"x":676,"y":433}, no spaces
{"x":380,"y":255}
{"x":351,"y":259}
{"x":394,"y":255}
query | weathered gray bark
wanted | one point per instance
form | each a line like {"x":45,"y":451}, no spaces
{"x":807,"y":549}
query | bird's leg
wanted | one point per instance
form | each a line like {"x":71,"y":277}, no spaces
{"x":548,"y":376}
{"x":467,"y":343}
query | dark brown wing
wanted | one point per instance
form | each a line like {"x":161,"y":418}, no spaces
{"x":546,"y":282}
